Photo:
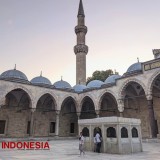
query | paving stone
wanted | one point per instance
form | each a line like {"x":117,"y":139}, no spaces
{"x":68,"y":150}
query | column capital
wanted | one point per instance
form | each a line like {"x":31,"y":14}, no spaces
{"x":97,"y":113}
{"x":78,"y":114}
{"x":2,"y":101}
{"x":33,"y":110}
{"x":57,"y":112}
{"x":121,"y":105}
{"x":149,"y":97}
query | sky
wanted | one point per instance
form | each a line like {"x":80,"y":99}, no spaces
{"x":38,"y":35}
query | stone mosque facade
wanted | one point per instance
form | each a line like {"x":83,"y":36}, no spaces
{"x":38,"y":108}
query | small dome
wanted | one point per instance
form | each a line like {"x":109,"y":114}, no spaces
{"x":41,"y":80}
{"x":62,"y":84}
{"x":95,"y":84}
{"x":14,"y":74}
{"x":112,"y":78}
{"x":135,"y":67}
{"x":79,"y":87}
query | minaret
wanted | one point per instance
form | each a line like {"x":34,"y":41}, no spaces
{"x":81,"y":49}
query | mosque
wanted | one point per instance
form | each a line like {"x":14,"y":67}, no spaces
{"x":38,"y":108}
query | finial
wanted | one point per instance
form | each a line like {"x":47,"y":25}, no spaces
{"x":138,"y":59}
{"x":41,"y":74}
{"x":61,"y":78}
{"x":15,"y":67}
{"x":81,"y":10}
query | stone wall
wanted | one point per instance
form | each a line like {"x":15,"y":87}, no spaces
{"x":16,"y":122}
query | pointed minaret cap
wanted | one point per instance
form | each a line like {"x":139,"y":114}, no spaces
{"x":81,"y":10}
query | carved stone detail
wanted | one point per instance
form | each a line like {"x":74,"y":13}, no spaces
{"x":149,"y":97}
{"x":81,"y":48}
{"x":80,"y":29}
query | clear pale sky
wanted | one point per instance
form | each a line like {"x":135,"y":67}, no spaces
{"x":39,"y":35}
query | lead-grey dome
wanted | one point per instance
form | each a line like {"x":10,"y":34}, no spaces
{"x":14,"y":74}
{"x":41,"y":81}
{"x":95,"y":84}
{"x":79,"y":88}
{"x":112,"y":78}
{"x":135,"y":67}
{"x":62,"y":84}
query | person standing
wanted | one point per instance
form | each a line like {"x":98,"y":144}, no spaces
{"x":98,"y":142}
{"x":81,"y":144}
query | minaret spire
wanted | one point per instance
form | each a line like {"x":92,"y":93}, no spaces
{"x":81,"y":49}
{"x":81,"y":10}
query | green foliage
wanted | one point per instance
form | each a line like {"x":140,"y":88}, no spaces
{"x":100,"y":75}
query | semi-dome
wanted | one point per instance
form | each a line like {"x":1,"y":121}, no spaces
{"x":62,"y":84}
{"x":95,"y":84}
{"x":14,"y":74}
{"x":79,"y":87}
{"x":135,"y":67}
{"x":112,"y":78}
{"x":41,"y":81}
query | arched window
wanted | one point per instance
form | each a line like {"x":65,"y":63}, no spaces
{"x":111,"y":132}
{"x":134,"y":132}
{"x":85,"y":132}
{"x":124,"y":133}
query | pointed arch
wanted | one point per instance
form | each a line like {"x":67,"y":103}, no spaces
{"x":126,"y":83}
{"x":108,"y":105}
{"x":54,"y":98}
{"x":18,"y":97}
{"x":109,"y":92}
{"x":89,"y":96}
{"x":11,"y":88}
{"x":151,"y":82}
{"x":87,"y":108}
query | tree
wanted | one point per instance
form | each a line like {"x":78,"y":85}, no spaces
{"x":100,"y":75}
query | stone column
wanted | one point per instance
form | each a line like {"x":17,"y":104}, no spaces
{"x":32,"y":122}
{"x":121,"y":107}
{"x":78,"y":115}
{"x":57,"y":123}
{"x":152,"y":116}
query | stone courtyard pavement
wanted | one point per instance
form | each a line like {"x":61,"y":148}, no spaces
{"x":68,"y":150}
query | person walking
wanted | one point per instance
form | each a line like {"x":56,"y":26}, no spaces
{"x":98,"y":142}
{"x":81,"y":144}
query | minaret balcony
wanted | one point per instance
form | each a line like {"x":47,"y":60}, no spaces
{"x":80,"y":29}
{"x":81,"y":48}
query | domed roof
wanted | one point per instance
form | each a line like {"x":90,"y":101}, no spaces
{"x":14,"y":74}
{"x":135,"y":67}
{"x":62,"y":84}
{"x":41,"y":80}
{"x":95,"y":84}
{"x":112,"y":78}
{"x":79,"y":87}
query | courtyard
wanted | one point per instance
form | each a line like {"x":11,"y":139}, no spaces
{"x":68,"y":150}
